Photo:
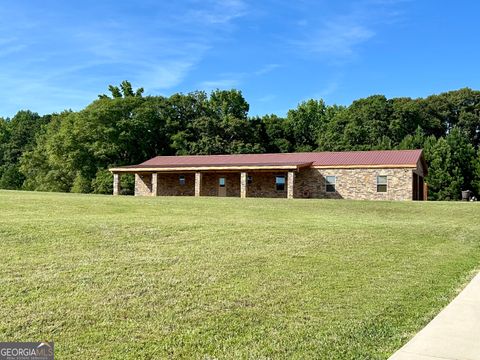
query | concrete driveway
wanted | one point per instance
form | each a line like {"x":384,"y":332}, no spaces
{"x":453,"y":334}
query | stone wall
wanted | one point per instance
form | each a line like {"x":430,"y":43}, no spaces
{"x":117,"y":186}
{"x":359,"y":184}
{"x":143,"y":184}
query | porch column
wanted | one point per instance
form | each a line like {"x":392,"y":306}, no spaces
{"x":116,"y":184}
{"x":154,"y":184}
{"x":243,"y":185}
{"x":198,"y":183}
{"x":290,"y":182}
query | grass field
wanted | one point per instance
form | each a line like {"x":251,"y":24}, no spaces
{"x":139,"y":278}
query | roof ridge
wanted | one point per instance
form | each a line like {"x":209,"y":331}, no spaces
{"x":293,"y":153}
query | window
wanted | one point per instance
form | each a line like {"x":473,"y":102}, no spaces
{"x":330,"y":183}
{"x":249,"y":180}
{"x":280,"y":183}
{"x":221,"y":182}
{"x":181,"y":179}
{"x":381,"y":183}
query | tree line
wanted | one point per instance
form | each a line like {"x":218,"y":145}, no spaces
{"x":71,"y":151}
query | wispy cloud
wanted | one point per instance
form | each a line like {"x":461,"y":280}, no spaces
{"x":328,"y":89}
{"x":336,"y":40}
{"x":266,"y":69}
{"x":267,"y":98}
{"x":146,"y":65}
{"x":339,"y":37}
{"x":12,"y":49}
{"x":219,"y":84}
{"x":10,"y":45}
{"x":155,"y":49}
{"x":163,"y":75}
{"x":231,"y":80}
{"x":218,"y":11}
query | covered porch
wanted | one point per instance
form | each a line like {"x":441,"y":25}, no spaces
{"x":261,"y":181}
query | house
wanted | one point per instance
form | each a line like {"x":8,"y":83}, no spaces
{"x":373,"y":175}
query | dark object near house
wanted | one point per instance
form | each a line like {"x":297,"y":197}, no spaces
{"x":466,"y":195}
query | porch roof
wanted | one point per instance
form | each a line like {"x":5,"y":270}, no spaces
{"x":212,"y":167}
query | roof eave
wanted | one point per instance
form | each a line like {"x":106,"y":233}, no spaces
{"x":134,"y":169}
{"x":367,"y":166}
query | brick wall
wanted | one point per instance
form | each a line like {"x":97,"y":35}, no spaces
{"x":169,"y":185}
{"x":210,"y":184}
{"x":263,"y":185}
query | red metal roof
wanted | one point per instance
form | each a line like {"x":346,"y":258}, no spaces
{"x":344,"y":158}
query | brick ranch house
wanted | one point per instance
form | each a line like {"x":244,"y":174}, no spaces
{"x":372,"y":175}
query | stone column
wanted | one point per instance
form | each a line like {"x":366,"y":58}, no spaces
{"x":243,"y":185}
{"x":154,"y":184}
{"x":290,"y":183}
{"x":137,"y":186}
{"x":198,"y":183}
{"x":116,"y":184}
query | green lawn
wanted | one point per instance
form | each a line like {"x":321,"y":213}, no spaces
{"x":140,"y":278}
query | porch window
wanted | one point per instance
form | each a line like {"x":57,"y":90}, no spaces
{"x":181,"y":179}
{"x":382,"y":183}
{"x":330,"y":182}
{"x":221,"y":182}
{"x":249,"y":180}
{"x":280,"y":183}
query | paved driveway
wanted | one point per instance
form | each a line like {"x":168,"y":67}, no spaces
{"x":453,"y":334}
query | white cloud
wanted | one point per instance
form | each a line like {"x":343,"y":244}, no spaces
{"x":302,"y":22}
{"x":218,"y":11}
{"x":8,"y":50}
{"x":156,"y":50}
{"x":338,"y":38}
{"x":232,"y":80}
{"x":163,"y":75}
{"x":329,"y":87}
{"x":266,"y":69}
{"x":267,"y":98}
{"x":219,"y":84}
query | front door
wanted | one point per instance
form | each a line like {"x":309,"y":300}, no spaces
{"x":222,"y":186}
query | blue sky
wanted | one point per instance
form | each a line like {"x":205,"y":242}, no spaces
{"x":57,"y":55}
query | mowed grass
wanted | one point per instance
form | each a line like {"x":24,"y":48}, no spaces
{"x":144,"y":278}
